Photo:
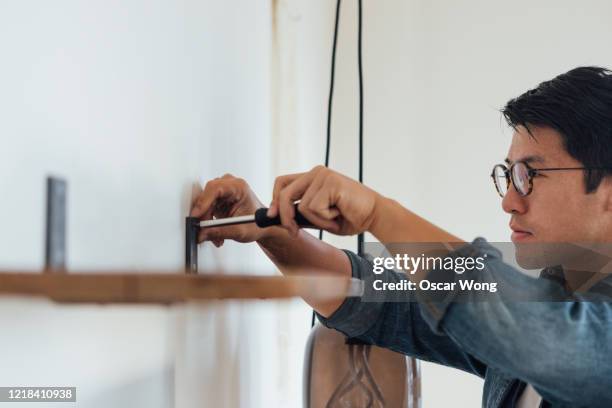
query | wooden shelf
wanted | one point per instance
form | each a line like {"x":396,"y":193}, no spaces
{"x":166,"y":288}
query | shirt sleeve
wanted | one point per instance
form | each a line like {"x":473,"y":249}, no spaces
{"x":529,"y":329}
{"x":395,"y":323}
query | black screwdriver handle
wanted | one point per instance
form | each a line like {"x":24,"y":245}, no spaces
{"x":262,"y":220}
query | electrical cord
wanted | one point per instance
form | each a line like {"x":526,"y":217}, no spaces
{"x":358,"y":377}
{"x":331,"y":88}
{"x":360,"y":237}
{"x":329,"y":107}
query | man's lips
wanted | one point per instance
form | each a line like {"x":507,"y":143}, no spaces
{"x":519,"y":233}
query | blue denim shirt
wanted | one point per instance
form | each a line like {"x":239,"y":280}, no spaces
{"x":562,"y":348}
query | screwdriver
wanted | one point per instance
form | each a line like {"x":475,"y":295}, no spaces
{"x":260,"y":218}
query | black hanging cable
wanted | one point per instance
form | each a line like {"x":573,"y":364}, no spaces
{"x":330,"y":105}
{"x":360,"y":237}
{"x":331,"y":89}
{"x":373,"y":392}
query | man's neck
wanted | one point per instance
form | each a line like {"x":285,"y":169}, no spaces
{"x":581,"y":275}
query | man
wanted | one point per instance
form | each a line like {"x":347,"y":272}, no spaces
{"x":556,"y":188}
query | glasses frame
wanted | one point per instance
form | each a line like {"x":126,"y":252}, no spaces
{"x":531,"y":173}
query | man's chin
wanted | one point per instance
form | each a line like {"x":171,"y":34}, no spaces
{"x":539,"y":255}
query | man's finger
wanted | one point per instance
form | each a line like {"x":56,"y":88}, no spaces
{"x":206,"y":199}
{"x":305,"y":202}
{"x":213,"y":191}
{"x":279,"y":184}
{"x":318,"y":221}
{"x":216,"y":233}
{"x":321,"y":204}
{"x":288,"y":195}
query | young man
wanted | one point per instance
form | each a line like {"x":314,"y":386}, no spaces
{"x":556,"y":188}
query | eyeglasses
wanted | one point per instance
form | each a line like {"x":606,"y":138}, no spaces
{"x":521,"y":175}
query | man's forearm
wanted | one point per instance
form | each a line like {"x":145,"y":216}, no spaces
{"x":307,"y":252}
{"x":394,"y":223}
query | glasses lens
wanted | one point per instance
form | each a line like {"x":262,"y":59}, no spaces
{"x":500,"y":179}
{"x":520,"y":178}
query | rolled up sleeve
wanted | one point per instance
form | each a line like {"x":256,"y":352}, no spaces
{"x":354,"y":317}
{"x":393,"y":320}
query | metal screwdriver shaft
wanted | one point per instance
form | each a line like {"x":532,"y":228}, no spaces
{"x":260,"y":218}
{"x":244,"y":219}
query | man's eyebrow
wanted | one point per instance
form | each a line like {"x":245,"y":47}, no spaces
{"x":527,"y":159}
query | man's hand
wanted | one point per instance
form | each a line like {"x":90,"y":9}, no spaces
{"x":328,"y":199}
{"x":224,"y":197}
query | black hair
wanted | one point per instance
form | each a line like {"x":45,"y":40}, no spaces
{"x":578,"y":105}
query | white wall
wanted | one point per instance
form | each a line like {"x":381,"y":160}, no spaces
{"x":132,"y":102}
{"x":436,"y":74}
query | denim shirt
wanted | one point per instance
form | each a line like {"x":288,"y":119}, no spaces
{"x":562,"y":348}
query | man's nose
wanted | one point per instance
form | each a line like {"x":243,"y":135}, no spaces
{"x":513,"y":202}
